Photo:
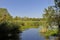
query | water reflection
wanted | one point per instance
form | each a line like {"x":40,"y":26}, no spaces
{"x":52,"y":38}
{"x":31,"y":34}
{"x":12,"y":36}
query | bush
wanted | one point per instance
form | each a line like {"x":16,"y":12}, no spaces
{"x":8,"y":30}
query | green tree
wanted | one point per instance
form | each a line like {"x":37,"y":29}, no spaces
{"x":49,"y":16}
{"x":57,"y":5}
{"x":17,"y":18}
{"x":49,"y":22}
{"x":9,"y":28}
{"x":4,"y":14}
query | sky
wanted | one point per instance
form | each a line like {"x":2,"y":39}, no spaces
{"x":28,"y":8}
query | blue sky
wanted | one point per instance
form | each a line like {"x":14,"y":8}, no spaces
{"x":28,"y":8}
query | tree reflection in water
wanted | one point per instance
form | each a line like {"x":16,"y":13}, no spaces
{"x":53,"y":38}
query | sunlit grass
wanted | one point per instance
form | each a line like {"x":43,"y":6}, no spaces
{"x":51,"y":32}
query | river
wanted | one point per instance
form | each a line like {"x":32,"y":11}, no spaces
{"x":29,"y":34}
{"x":33,"y":34}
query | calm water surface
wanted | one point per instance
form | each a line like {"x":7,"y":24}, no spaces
{"x":31,"y":34}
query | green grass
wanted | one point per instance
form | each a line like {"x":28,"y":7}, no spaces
{"x":50,"y":32}
{"x":27,"y":27}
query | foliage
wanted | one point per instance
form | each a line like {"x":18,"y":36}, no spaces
{"x":57,"y":3}
{"x":4,"y":15}
{"x":52,"y":32}
{"x":9,"y":30}
{"x":23,"y":22}
{"x":49,"y":18}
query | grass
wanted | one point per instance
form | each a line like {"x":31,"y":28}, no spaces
{"x":51,"y":32}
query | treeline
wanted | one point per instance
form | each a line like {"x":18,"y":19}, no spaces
{"x":4,"y":14}
{"x":24,"y":22}
{"x":26,"y":19}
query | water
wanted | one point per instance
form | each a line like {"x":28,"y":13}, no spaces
{"x":31,"y":34}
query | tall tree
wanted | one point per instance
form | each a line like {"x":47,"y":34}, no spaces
{"x":49,"y":16}
{"x":49,"y":22}
{"x":4,"y":14}
{"x":57,"y":4}
{"x":52,"y":17}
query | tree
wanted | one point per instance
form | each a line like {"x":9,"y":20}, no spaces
{"x":57,"y":5}
{"x":49,"y":16}
{"x":49,"y":22}
{"x":9,"y":30}
{"x":17,"y":18}
{"x":4,"y":14}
